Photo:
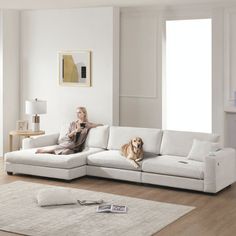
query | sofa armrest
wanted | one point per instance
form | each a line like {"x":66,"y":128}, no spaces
{"x":40,"y":141}
{"x":220,"y":170}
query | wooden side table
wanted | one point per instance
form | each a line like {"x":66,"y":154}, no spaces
{"x":26,"y":134}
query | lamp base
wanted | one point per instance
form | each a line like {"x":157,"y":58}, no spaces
{"x":35,"y":123}
{"x":35,"y":127}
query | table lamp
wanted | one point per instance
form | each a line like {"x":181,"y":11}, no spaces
{"x":35,"y":107}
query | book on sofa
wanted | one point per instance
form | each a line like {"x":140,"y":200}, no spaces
{"x":112,"y":209}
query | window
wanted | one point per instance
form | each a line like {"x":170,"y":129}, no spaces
{"x":187,"y":95}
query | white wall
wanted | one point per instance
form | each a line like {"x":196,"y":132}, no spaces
{"x":142,"y":63}
{"x":46,"y":32}
{"x":230,"y":75}
{"x":9,"y":75}
{"x":1,"y":83}
{"x":140,"y":68}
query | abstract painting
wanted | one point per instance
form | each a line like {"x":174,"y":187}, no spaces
{"x":75,"y":68}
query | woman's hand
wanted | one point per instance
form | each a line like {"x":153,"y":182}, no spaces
{"x":78,"y":130}
{"x":73,"y":133}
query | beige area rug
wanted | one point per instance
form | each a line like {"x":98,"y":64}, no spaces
{"x":20,"y":213}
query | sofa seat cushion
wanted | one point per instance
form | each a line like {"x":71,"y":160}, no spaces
{"x":172,"y":165}
{"x":28,"y":157}
{"x":112,"y":159}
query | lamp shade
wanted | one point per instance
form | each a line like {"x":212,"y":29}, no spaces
{"x":36,"y":106}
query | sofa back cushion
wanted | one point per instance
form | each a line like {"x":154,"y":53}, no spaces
{"x":119,"y":136}
{"x":98,"y":137}
{"x":179,"y":143}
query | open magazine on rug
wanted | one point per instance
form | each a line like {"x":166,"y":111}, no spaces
{"x":111,"y":208}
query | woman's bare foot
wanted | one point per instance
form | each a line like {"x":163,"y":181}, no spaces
{"x":44,"y":150}
{"x":39,"y":151}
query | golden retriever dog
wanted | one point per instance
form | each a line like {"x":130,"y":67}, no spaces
{"x":133,"y":151}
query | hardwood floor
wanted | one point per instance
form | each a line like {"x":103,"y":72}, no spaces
{"x":215,"y":215}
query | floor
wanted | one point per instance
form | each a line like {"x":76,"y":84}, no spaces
{"x":215,"y":215}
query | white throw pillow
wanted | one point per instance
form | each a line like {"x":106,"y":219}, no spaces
{"x":55,"y":196}
{"x":200,"y":149}
{"x":63,"y":131}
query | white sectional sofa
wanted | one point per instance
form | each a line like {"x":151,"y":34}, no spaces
{"x":165,"y":160}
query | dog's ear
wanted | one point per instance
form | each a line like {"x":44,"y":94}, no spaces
{"x":131,"y":143}
{"x":142,"y":142}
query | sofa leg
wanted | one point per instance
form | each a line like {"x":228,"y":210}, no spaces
{"x":9,"y":173}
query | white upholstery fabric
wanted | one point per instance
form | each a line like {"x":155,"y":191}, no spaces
{"x":173,"y":181}
{"x":212,"y":175}
{"x":127,"y":175}
{"x":55,"y":196}
{"x":28,"y":157}
{"x":121,"y":135}
{"x":40,"y":141}
{"x":201,"y":149}
{"x":112,"y":159}
{"x":219,"y":170}
{"x":98,"y":137}
{"x":171,"y":165}
{"x":63,"y":131}
{"x":50,"y":172}
{"x":179,"y":143}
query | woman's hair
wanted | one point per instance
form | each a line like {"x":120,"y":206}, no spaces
{"x":83,"y":109}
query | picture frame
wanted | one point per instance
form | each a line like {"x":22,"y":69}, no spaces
{"x":22,"y":125}
{"x":74,"y":68}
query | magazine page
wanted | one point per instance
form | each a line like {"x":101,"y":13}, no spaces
{"x":112,"y":208}
{"x":119,"y":209}
{"x":104,"y":208}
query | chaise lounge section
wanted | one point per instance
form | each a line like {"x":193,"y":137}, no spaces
{"x":165,"y":160}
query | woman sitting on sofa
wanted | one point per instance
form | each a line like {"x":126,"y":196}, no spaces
{"x":75,"y":138}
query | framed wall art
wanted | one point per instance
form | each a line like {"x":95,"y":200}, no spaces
{"x":74,"y":68}
{"x":22,"y":125}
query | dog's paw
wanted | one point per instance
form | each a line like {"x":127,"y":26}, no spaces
{"x":136,"y":165}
